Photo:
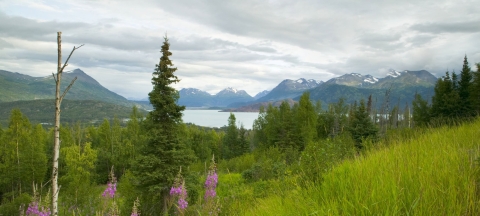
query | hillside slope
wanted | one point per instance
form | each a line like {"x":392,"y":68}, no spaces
{"x":16,"y":86}
{"x":42,"y":111}
{"x":435,"y":173}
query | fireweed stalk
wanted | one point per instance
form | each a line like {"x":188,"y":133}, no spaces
{"x":109,"y":193}
{"x":211,"y":205}
{"x":179,"y":191}
{"x":135,"y":210}
{"x":34,"y":209}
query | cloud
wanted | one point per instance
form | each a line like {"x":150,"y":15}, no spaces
{"x":448,"y":27}
{"x":250,"y":45}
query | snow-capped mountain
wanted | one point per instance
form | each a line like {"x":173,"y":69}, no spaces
{"x":393,"y":73}
{"x":290,"y":88}
{"x":354,"y":79}
{"x":406,"y":78}
{"x":232,"y":91}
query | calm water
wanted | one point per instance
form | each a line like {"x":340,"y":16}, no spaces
{"x":213,"y":118}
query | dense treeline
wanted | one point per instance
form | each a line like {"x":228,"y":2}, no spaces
{"x":290,"y":146}
{"x":455,"y":98}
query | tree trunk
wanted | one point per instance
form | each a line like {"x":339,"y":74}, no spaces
{"x":58,"y":102}
{"x":56,"y":147}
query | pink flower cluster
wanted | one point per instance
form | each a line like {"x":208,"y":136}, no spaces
{"x":110,"y":190}
{"x":211,"y":184}
{"x":34,"y":211}
{"x":181,"y":192}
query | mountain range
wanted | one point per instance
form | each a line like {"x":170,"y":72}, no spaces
{"x":192,"y":97}
{"x":402,"y":86}
{"x":354,"y":86}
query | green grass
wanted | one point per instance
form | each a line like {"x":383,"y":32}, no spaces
{"x":434,"y":173}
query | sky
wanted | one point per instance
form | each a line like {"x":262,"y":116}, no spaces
{"x":245,"y":44}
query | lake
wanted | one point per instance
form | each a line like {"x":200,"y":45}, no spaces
{"x":214,"y":118}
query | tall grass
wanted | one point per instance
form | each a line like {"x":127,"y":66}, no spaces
{"x":434,"y":173}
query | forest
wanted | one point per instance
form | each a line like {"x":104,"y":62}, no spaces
{"x":349,"y":159}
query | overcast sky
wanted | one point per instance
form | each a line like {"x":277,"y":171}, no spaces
{"x":245,"y":44}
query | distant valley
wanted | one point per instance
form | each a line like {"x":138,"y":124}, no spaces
{"x":33,"y":94}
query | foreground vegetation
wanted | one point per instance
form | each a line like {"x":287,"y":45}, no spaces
{"x":348,"y":159}
{"x":433,"y":172}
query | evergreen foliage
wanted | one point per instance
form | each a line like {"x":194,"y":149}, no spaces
{"x":464,"y":90}
{"x":446,"y":101}
{"x":163,"y":154}
{"x":361,"y":126}
{"x":306,"y":120}
{"x":231,"y":147}
{"x":421,"y":111}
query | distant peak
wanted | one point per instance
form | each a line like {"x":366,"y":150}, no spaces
{"x":301,"y":80}
{"x":78,"y":70}
{"x":394,"y":73}
{"x":356,"y":74}
{"x":230,"y":89}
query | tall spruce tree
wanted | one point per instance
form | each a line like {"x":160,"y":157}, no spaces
{"x":361,"y":125}
{"x":243,"y":140}
{"x":464,"y":88}
{"x":231,"y":146}
{"x":445,"y":102}
{"x":163,"y":154}
{"x":306,"y":120}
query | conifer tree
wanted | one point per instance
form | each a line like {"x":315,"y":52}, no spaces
{"x":259,"y":133}
{"x":445,"y":102}
{"x":231,"y":146}
{"x":243,"y":142}
{"x":285,"y":136}
{"x":163,"y":154}
{"x":464,"y":88}
{"x":306,"y":120}
{"x":361,"y":126}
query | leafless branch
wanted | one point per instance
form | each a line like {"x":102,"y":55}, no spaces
{"x":68,"y":88}
{"x":66,"y":62}
{"x":54,"y":78}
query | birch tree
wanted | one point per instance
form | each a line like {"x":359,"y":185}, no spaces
{"x":58,"y":101}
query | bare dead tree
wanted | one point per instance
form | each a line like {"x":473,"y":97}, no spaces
{"x":58,"y":102}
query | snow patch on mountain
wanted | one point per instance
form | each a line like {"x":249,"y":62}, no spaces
{"x":230,"y":89}
{"x":394,"y":73}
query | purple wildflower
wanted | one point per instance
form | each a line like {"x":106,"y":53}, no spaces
{"x":182,"y":203}
{"x":211,"y":206}
{"x":110,"y":190}
{"x":112,"y":185}
{"x":179,"y":191}
{"x":34,"y":211}
{"x":175,"y":190}
{"x":211,"y":181}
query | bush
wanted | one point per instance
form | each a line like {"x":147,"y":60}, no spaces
{"x":320,"y":157}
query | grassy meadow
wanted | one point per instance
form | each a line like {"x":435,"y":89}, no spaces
{"x":423,"y":172}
